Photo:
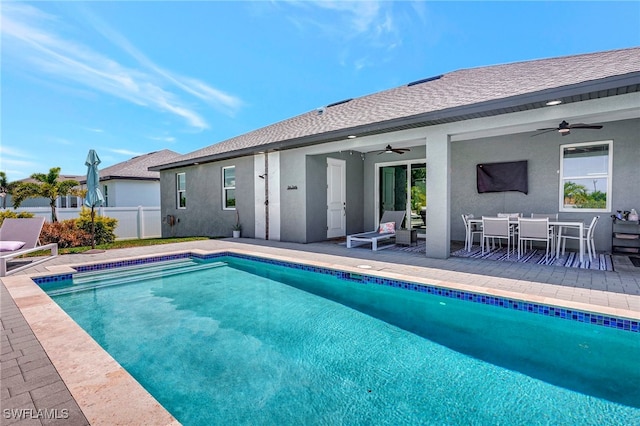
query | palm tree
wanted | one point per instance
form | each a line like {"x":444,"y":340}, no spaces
{"x":47,"y":186}
{"x":5,"y":188}
{"x":574,"y":193}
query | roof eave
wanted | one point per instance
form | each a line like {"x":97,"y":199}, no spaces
{"x":527,"y":101}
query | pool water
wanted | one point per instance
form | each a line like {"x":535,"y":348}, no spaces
{"x":249,"y":343}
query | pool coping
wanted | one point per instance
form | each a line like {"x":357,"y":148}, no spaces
{"x":108,"y":394}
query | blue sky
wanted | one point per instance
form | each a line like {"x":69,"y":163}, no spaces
{"x":128,"y":78}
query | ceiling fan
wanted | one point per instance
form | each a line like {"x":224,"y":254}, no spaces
{"x":389,"y":150}
{"x":564,"y":128}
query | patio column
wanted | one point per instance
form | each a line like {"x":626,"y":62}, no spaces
{"x":438,"y":232}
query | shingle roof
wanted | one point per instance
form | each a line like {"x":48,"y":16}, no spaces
{"x":454,"y":96}
{"x":137,"y":168}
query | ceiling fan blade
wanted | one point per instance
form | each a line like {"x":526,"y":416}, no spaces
{"x":398,"y":151}
{"x":584,"y":126}
{"x":541,"y":131}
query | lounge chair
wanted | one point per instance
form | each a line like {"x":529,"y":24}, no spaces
{"x":22,"y":236}
{"x":374,"y":237}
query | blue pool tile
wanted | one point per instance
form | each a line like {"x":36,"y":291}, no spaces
{"x":534,"y":308}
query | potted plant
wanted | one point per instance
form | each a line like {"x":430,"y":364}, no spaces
{"x":237,"y":227}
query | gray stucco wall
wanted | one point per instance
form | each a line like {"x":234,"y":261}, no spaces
{"x":204,"y":215}
{"x":316,"y":199}
{"x":293,"y":209}
{"x":543,"y":155}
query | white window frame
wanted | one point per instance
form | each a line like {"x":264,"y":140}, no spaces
{"x":225,"y":188}
{"x":180,"y":191}
{"x":608,"y":176}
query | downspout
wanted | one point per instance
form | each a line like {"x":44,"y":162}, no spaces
{"x":266,"y":195}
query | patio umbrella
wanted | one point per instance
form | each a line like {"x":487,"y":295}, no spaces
{"x":94,"y":197}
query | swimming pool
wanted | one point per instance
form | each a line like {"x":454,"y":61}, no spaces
{"x":250,"y":342}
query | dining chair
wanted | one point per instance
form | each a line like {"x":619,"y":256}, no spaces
{"x":514,"y":225}
{"x":551,"y":216}
{"x":587,"y":236}
{"x":496,"y":228}
{"x":530,"y":230}
{"x":471,"y":229}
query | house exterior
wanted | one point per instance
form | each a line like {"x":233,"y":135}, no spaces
{"x":126,"y":184}
{"x":70,"y":201}
{"x":326,"y":173}
{"x":131,"y":183}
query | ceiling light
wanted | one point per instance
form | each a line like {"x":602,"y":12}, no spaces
{"x":552,"y":103}
{"x":351,"y":137}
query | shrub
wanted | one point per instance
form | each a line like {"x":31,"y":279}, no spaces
{"x":4,"y":214}
{"x":104,"y":226}
{"x":65,"y":233}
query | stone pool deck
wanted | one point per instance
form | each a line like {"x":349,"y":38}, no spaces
{"x":54,"y":373}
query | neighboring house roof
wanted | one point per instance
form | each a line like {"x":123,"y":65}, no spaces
{"x":61,"y":178}
{"x":137,"y":168}
{"x":455,"y":96}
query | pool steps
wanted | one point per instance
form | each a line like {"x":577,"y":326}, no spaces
{"x":97,"y":279}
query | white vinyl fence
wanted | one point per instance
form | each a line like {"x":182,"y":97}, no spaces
{"x":133,"y":222}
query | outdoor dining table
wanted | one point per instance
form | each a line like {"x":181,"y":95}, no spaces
{"x":560,"y":224}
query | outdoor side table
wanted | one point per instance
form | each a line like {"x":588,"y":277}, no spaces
{"x":406,"y":237}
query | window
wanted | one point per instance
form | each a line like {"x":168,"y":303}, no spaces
{"x":105,"y":193}
{"x":229,"y":188}
{"x":585,"y":177}
{"x":181,"y":190}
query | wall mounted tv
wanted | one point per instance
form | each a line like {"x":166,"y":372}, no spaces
{"x":501,"y":177}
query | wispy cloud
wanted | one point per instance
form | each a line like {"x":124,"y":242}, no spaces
{"x":26,"y":33}
{"x":13,"y":162}
{"x":126,"y":152}
{"x":168,"y":139}
{"x":197,"y":88}
{"x":365,"y":23}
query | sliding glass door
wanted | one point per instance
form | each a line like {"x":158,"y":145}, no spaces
{"x":402,"y":186}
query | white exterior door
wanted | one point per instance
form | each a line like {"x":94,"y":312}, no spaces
{"x":336,"y":198}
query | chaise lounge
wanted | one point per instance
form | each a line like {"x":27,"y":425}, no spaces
{"x":390,"y":221}
{"x":22,"y":236}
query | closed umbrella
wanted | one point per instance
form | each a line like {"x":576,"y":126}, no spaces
{"x":94,"y":197}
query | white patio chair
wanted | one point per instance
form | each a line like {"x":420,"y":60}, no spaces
{"x":587,"y":236}
{"x":470,"y":229}
{"x":374,"y":237}
{"x":552,"y":217}
{"x":496,"y":228}
{"x":530,"y":230}
{"x":22,"y":236}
